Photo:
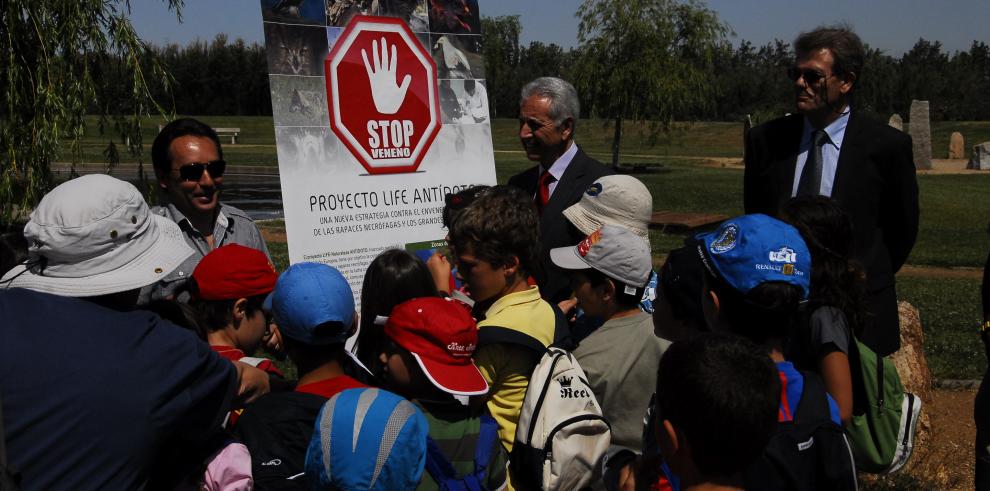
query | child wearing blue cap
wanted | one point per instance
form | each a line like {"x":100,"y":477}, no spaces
{"x":758,"y":276}
{"x":314,"y":309}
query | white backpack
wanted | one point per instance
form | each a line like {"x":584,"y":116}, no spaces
{"x":561,"y":436}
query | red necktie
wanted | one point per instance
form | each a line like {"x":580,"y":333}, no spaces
{"x":543,"y":190}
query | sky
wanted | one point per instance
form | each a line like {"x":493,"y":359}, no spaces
{"x":890,"y":25}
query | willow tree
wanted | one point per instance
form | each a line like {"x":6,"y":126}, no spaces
{"x":64,"y":59}
{"x":646,"y":60}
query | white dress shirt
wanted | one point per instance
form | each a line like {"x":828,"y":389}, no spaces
{"x":830,"y":153}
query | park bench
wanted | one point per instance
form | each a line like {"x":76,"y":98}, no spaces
{"x":231,"y":132}
{"x":684,"y":220}
{"x":637,"y":167}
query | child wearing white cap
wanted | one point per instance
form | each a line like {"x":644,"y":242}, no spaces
{"x":622,"y":201}
{"x":609,"y":270}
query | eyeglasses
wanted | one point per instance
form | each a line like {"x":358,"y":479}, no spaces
{"x":194,"y":171}
{"x":811,"y":77}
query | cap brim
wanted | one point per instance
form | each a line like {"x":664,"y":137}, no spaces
{"x":461,"y":380}
{"x":578,"y":216}
{"x":167,"y":251}
{"x":585,"y":222}
{"x":568,"y":258}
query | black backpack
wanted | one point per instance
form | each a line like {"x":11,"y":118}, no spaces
{"x":808,"y":453}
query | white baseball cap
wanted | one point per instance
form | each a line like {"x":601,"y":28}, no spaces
{"x":618,"y":253}
{"x":619,"y":200}
{"x":94,"y":235}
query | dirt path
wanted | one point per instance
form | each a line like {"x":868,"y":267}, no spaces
{"x":955,"y":433}
{"x":940,"y":272}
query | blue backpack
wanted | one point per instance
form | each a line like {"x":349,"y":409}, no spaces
{"x":443,"y":472}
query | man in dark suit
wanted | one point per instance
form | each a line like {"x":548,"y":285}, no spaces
{"x":832,"y":150}
{"x":548,"y":113}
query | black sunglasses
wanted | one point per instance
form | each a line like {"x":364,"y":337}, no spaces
{"x":811,"y":77}
{"x":194,"y":171}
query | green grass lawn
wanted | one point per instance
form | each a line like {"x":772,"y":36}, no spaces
{"x":973,"y":132}
{"x":950,"y":314}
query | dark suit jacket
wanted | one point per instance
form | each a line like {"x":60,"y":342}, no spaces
{"x":555,"y":229}
{"x":874,"y":183}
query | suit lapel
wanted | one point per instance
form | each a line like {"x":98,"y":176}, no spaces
{"x":564,"y":191}
{"x":787,"y":165}
{"x":849,"y":154}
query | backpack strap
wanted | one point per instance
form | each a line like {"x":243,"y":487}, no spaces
{"x":562,"y":337}
{"x":438,"y":466}
{"x":443,"y":471}
{"x":499,"y":334}
{"x":814,"y":400}
{"x":490,"y":334}
{"x":487,"y":437}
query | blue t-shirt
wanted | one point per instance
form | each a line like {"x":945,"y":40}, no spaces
{"x":90,"y":394}
{"x":792,"y":386}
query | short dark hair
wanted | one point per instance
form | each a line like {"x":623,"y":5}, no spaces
{"x":767,"y":311}
{"x":160,"y":156}
{"x":214,"y":315}
{"x":499,"y":225}
{"x":393,"y":277}
{"x":722,"y":392}
{"x":625,"y":301}
{"x":454,"y":203}
{"x":308,"y":357}
{"x":847,"y":49}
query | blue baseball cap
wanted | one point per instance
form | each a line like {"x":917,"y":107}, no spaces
{"x":367,"y":439}
{"x":311,"y":295}
{"x":752,"y":249}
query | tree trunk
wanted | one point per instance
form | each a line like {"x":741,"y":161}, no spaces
{"x":616,"y":139}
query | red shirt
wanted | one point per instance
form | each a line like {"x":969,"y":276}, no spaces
{"x":330,"y":387}
{"x":233,"y":354}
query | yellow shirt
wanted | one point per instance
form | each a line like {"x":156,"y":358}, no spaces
{"x":507,"y":366}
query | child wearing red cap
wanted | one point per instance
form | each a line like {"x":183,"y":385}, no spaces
{"x":229,"y":288}
{"x":427,"y":359}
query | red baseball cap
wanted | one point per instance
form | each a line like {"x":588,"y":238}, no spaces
{"x":234,"y":271}
{"x":442,"y":336}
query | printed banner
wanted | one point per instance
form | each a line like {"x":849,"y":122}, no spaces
{"x":380,"y":110}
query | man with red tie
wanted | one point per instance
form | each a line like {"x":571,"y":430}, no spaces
{"x":548,"y":114}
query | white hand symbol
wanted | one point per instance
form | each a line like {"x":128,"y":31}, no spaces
{"x":387,"y":94}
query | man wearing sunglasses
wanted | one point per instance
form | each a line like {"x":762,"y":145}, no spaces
{"x":548,"y":114}
{"x":830,"y":149}
{"x":189,"y":167}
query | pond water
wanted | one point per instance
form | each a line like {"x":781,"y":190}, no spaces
{"x":260,"y":196}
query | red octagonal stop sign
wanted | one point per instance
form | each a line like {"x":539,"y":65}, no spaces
{"x":382,"y":94}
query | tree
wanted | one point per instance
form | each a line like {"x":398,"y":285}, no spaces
{"x":57,"y":57}
{"x":646,"y":59}
{"x":501,"y":50}
{"x":924,"y":77}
